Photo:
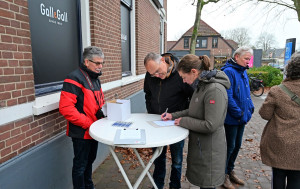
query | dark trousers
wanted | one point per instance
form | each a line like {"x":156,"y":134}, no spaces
{"x":234,"y":136}
{"x":85,"y":152}
{"x":285,"y":179}
{"x":160,"y":166}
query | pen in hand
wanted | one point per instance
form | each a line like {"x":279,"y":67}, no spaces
{"x":165,"y":112}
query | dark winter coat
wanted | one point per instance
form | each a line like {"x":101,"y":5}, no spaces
{"x":240,"y":105}
{"x":207,"y":142}
{"x":170,"y":93}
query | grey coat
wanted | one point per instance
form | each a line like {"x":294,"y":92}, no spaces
{"x":207,"y":142}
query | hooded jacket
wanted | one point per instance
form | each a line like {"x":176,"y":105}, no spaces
{"x":204,"y":118}
{"x":170,"y":93}
{"x":78,"y":103}
{"x":240,"y":105}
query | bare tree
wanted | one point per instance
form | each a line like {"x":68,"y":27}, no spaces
{"x":293,"y":4}
{"x":266,"y":41}
{"x":200,"y":5}
{"x":239,"y":35}
{"x":232,"y":5}
{"x":268,"y":5}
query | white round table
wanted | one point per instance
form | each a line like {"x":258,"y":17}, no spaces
{"x":156,"y":136}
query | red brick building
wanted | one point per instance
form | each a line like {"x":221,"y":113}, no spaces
{"x":209,"y":42}
{"x":34,"y":62}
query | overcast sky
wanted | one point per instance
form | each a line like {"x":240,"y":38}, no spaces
{"x":181,"y":16}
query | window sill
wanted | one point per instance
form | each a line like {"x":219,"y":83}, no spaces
{"x":51,"y":102}
{"x":46,"y":103}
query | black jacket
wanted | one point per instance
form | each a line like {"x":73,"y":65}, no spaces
{"x":169,"y":93}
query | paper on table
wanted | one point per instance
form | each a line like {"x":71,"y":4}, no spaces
{"x":130,"y":134}
{"x":164,"y":123}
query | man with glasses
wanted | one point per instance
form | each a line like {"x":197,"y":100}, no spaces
{"x":165,"y":90}
{"x":80,"y":103}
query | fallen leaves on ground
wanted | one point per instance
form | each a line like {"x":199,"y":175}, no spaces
{"x":129,"y":157}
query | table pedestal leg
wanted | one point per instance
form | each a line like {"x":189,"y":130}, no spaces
{"x":120,"y":167}
{"x":146,"y":168}
{"x":144,"y":172}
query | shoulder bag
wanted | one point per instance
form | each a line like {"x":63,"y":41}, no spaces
{"x":293,"y":96}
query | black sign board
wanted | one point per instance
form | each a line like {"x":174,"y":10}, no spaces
{"x":55,"y":38}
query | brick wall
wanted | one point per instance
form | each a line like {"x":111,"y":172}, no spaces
{"x":105,"y":20}
{"x":147,"y":32}
{"x":21,"y":135}
{"x":165,"y":7}
{"x":223,"y":48}
{"x":16,"y":72}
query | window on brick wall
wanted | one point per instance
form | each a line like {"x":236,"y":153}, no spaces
{"x":126,"y":7}
{"x":186,"y":43}
{"x":55,"y":41}
{"x":201,"y":42}
{"x":162,"y":35}
{"x":214,"y":42}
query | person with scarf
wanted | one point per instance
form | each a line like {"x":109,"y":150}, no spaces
{"x":205,"y":120}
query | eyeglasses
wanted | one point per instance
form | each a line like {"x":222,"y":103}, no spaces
{"x":97,"y":63}
{"x":157,"y":74}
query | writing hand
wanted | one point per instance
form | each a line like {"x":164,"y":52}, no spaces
{"x":166,"y":116}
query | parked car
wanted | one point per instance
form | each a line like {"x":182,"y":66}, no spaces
{"x":274,"y":65}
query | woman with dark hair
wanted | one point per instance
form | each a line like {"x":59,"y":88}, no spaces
{"x":205,"y":120}
{"x":280,"y":141}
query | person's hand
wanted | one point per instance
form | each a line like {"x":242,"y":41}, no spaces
{"x":177,"y":121}
{"x":166,"y":116}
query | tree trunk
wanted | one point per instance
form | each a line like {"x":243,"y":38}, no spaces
{"x":297,"y":5}
{"x":196,"y":26}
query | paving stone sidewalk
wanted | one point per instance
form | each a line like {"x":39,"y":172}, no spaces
{"x":248,"y":164}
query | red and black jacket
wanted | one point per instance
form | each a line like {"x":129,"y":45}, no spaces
{"x":77,"y":102}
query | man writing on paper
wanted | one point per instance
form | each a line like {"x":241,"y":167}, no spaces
{"x":80,"y":103}
{"x":164,"y":89}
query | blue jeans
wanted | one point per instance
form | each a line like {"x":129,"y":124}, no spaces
{"x":85,"y":152}
{"x":285,"y":179}
{"x":160,"y":166}
{"x":234,"y":136}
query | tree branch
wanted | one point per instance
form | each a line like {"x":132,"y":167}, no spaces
{"x":279,"y":3}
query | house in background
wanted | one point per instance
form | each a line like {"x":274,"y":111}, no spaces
{"x":209,"y":42}
{"x":274,"y":56}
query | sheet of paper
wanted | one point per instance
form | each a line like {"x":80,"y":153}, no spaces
{"x":130,"y":134}
{"x":164,"y":123}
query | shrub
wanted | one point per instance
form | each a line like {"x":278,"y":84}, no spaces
{"x":271,"y":76}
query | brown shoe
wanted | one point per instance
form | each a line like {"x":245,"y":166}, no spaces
{"x":227,"y":184}
{"x":235,"y":179}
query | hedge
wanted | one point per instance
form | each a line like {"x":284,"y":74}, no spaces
{"x":271,"y":76}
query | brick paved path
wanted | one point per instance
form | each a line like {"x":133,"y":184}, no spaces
{"x":248,"y":163}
